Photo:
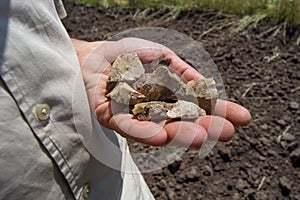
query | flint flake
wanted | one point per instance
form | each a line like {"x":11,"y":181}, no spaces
{"x":124,"y":94}
{"x":205,"y":91}
{"x":185,"y":110}
{"x":162,"y":80}
{"x":126,"y":68}
{"x":153,"y":110}
{"x":159,"y":94}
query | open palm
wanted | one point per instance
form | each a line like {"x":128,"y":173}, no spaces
{"x":96,"y":59}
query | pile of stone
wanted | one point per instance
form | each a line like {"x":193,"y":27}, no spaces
{"x":155,"y":92}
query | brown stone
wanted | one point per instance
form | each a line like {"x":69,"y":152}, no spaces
{"x":152,"y":110}
{"x":161,"y":93}
{"x":124,"y":94}
{"x":126,"y":68}
{"x":155,"y":110}
{"x":163,"y":79}
{"x":159,"y":62}
{"x":205,"y":91}
{"x":157,"y":92}
{"x":185,"y":110}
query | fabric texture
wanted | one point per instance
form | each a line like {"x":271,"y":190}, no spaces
{"x":47,"y":159}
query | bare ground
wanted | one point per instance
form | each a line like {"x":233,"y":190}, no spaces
{"x":260,"y":66}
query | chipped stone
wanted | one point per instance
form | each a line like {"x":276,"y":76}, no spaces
{"x":186,"y":110}
{"x":151,"y":110}
{"x":124,"y":94}
{"x":205,"y":91}
{"x":158,"y":62}
{"x":159,"y":93}
{"x":203,"y":88}
{"x":163,"y":77}
{"x":126,"y":68}
{"x":161,"y":110}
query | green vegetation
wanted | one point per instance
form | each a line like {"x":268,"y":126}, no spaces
{"x":280,"y":10}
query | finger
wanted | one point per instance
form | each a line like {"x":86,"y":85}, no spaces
{"x":123,"y":123}
{"x":149,"y":51}
{"x":217,"y":128}
{"x":236,"y":114}
{"x":187,"y":72}
{"x":146,"y":50}
{"x":186,"y":134}
{"x":141,"y":131}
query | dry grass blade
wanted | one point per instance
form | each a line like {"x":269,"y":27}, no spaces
{"x":261,"y":183}
{"x":248,"y":89}
{"x":280,"y":10}
{"x":249,"y":21}
{"x":283,"y":133}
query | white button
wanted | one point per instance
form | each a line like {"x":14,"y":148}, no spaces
{"x":85,"y":191}
{"x":42,"y":112}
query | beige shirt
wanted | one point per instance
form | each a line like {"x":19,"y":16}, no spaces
{"x":43,"y":110}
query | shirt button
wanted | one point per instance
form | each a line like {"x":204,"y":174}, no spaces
{"x":42,"y":112}
{"x":85,"y":191}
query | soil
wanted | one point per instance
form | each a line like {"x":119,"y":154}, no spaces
{"x":260,"y":67}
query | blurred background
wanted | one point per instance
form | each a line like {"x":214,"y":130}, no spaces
{"x":280,"y":10}
{"x":256,"y":46}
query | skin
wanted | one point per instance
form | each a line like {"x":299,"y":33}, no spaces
{"x":96,"y":58}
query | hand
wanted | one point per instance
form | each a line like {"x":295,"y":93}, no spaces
{"x":96,"y":58}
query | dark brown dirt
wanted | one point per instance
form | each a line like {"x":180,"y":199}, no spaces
{"x":260,"y":71}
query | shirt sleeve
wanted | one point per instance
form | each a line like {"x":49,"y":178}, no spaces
{"x":48,"y":103}
{"x":60,"y":9}
{"x":40,"y":69}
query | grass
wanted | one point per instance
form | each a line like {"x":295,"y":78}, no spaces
{"x":280,"y":10}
